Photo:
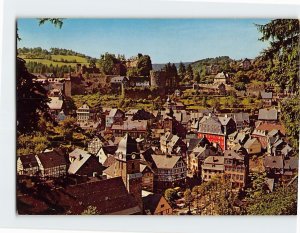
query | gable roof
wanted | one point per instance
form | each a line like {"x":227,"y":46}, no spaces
{"x":165,"y":161}
{"x":127,"y":146}
{"x":241,"y":117}
{"x":224,"y":120}
{"x":231,"y":154}
{"x":28,"y":161}
{"x":77,"y":153}
{"x":269,"y":127}
{"x":291,"y":163}
{"x":214,"y":163}
{"x":273,"y":162}
{"x":109,"y":196}
{"x":52,"y":158}
{"x":250,"y":142}
{"x":210,"y":125}
{"x":80,"y":159}
{"x":267,"y":114}
{"x":151,"y":202}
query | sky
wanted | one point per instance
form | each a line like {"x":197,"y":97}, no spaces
{"x":165,"y":40}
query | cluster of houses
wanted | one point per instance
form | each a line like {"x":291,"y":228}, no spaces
{"x":140,"y":154}
{"x":136,"y":155}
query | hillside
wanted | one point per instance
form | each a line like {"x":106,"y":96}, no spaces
{"x":56,"y":60}
{"x":54,"y":56}
{"x":221,"y":61}
{"x":159,"y":66}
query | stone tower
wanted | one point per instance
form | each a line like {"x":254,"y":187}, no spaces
{"x":128,"y":167}
{"x":68,"y":87}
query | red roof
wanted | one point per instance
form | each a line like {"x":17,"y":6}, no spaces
{"x":269,"y":127}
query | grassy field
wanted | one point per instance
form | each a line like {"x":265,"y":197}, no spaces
{"x":56,"y":60}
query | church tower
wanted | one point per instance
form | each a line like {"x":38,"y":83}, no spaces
{"x":128,"y":167}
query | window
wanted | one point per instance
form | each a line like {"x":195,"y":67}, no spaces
{"x":162,"y":206}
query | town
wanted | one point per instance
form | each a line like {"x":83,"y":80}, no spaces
{"x":123,"y":136}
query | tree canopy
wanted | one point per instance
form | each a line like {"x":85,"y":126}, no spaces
{"x":283,"y":52}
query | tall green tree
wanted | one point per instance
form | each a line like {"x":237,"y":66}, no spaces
{"x":189,"y":73}
{"x":181,"y":71}
{"x":197,"y":77}
{"x":31,"y":99}
{"x":107,"y":62}
{"x":290,"y":116}
{"x":144,"y":65}
{"x":283,"y":52}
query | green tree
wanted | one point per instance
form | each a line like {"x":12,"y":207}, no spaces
{"x":282,"y":201}
{"x":215,"y":103}
{"x":31,"y":99}
{"x":189,"y":73}
{"x":144,"y":65}
{"x":181,"y":71}
{"x":283,"y":52}
{"x":188,"y":198}
{"x":32,"y":143}
{"x":290,"y":116}
{"x":170,"y":195}
{"x":197,"y":77}
{"x":107,"y":62}
{"x":240,"y":86}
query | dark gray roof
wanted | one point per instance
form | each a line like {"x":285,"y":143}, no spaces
{"x":241,"y":117}
{"x":291,"y":163}
{"x":52,"y":158}
{"x":28,"y":161}
{"x":231,"y":154}
{"x":267,"y":114}
{"x":165,"y":161}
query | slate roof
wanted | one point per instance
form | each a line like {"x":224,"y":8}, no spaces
{"x":273,"y":162}
{"x":52,"y":159}
{"x":241,"y":117}
{"x":214,"y":163}
{"x":194,"y":142}
{"x":109,"y":196}
{"x":210,"y":125}
{"x":267,"y":114}
{"x":77,"y":153}
{"x":127,"y":146}
{"x":28,"y":161}
{"x":231,"y":154}
{"x":291,"y":163}
{"x":224,"y":120}
{"x":165,"y":161}
{"x":286,"y":149}
{"x":150,"y":202}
